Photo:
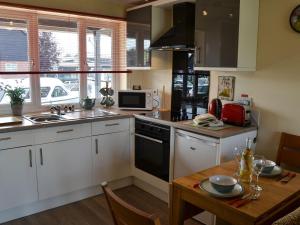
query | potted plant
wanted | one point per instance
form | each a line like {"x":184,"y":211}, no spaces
{"x":16,"y":95}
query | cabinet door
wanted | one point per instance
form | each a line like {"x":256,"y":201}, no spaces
{"x":192,"y":155}
{"x":217,"y":33}
{"x":139,"y":37}
{"x":64,"y":167}
{"x":18,"y":177}
{"x":112,"y":157}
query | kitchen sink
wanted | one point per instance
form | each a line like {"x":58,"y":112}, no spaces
{"x":44,"y":118}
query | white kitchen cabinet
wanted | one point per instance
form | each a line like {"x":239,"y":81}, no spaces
{"x":18,"y":184}
{"x":111,"y":160}
{"x":63,"y":167}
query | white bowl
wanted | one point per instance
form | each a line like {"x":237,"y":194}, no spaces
{"x":222,"y":183}
{"x":269,"y":166}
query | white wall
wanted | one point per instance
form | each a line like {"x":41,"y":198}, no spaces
{"x":275,"y":86}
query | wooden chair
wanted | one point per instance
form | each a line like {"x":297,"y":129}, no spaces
{"x":289,"y":151}
{"x":125,"y":214}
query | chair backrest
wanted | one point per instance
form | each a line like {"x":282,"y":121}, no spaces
{"x":124,"y":213}
{"x":289,"y":151}
{"x":292,"y":218}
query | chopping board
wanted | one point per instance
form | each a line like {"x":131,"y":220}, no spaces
{"x":10,"y":121}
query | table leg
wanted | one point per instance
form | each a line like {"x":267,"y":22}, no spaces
{"x":176,"y":207}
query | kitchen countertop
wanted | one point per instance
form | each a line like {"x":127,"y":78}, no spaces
{"x":86,"y":116}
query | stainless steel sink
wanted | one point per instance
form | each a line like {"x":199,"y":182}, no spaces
{"x":44,"y":118}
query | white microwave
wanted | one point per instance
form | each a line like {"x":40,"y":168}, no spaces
{"x":135,"y":99}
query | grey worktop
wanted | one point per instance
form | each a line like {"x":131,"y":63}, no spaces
{"x":87,"y":116}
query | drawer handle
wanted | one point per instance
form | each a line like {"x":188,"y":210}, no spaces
{"x":192,"y":148}
{"x":41,"y":156}
{"x":64,"y":131}
{"x":5,"y":139}
{"x":30,"y":158}
{"x":97,"y":150}
{"x":112,"y":124}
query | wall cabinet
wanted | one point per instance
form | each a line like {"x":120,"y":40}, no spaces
{"x":226,"y":35}
{"x":139,"y":37}
{"x":18,"y":177}
{"x":63,"y":167}
{"x":111,"y":160}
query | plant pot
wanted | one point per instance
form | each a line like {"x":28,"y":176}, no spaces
{"x":17,"y":109}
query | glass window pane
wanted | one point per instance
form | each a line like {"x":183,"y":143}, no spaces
{"x":14,"y":56}
{"x":59,"y":51}
{"x":99,"y":57}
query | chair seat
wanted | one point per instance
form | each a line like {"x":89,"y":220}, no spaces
{"x":292,"y":218}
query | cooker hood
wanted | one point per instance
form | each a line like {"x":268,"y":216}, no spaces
{"x":181,"y":36}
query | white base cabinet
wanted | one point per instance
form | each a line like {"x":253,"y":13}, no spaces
{"x":63,"y":167}
{"x":111,"y":160}
{"x":18,"y":184}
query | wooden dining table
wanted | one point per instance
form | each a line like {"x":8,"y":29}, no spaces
{"x":276,"y":199}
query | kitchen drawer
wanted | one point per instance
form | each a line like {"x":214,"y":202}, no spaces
{"x":16,"y":139}
{"x":61,"y":133}
{"x":110,"y":126}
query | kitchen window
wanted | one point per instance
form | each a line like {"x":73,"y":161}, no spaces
{"x":14,"y":55}
{"x":62,"y":47}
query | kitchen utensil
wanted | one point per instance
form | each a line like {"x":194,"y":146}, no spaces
{"x":283,"y":175}
{"x":206,"y":186}
{"x":235,"y":114}
{"x":232,"y":201}
{"x":222,"y":184}
{"x":215,"y":108}
{"x":87,"y":103}
{"x":275,"y":172}
{"x":288,"y":178}
{"x":269,"y":166}
{"x":259,"y":163}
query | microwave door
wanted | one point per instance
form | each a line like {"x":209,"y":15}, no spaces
{"x":132,"y":100}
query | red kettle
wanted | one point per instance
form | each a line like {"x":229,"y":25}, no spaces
{"x":215,"y":108}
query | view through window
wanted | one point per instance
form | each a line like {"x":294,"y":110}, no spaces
{"x":99,"y":57}
{"x":59,"y":51}
{"x":14,"y":56}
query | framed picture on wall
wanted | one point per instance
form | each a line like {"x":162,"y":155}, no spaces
{"x":226,"y":87}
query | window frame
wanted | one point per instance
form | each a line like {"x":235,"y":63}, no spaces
{"x":83,"y":22}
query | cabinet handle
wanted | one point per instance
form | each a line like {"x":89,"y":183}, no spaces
{"x":64,"y":131}
{"x":111,"y":124}
{"x":198,"y":55}
{"x":30,"y":158}
{"x":149,"y":138}
{"x":192,"y":148}
{"x":41,"y":156}
{"x":97,"y":150}
{"x":5,"y":139}
{"x":201,"y":140}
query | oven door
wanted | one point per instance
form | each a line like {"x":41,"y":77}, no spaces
{"x":152,"y":156}
{"x":132,"y":100}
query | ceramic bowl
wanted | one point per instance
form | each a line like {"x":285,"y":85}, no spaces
{"x":269,"y":166}
{"x":222,"y":184}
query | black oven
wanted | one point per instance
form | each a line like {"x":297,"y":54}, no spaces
{"x":152,"y":148}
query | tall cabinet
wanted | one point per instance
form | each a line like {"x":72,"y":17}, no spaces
{"x":226,"y":35}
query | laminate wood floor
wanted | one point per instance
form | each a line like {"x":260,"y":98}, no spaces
{"x":94,"y":211}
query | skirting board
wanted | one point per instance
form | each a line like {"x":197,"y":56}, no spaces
{"x":151,"y":189}
{"x":43,"y":205}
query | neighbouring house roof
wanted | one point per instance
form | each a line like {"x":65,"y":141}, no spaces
{"x":13,"y":45}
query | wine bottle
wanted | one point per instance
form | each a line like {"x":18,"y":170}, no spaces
{"x":246,"y":163}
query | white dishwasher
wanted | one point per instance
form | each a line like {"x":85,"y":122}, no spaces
{"x":194,"y":153}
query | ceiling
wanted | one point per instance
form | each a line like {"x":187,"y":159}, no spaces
{"x":133,"y":2}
